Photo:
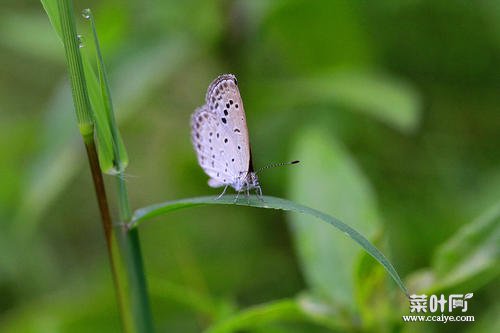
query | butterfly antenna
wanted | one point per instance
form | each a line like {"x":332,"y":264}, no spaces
{"x":275,"y":165}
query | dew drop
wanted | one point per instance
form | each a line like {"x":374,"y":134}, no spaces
{"x":81,"y":40}
{"x":86,"y":13}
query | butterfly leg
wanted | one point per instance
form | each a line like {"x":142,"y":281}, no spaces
{"x":237,"y":196}
{"x":248,"y":195}
{"x":258,"y":191}
{"x":224,"y":191}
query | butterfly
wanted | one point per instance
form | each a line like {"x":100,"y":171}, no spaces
{"x":220,"y":138}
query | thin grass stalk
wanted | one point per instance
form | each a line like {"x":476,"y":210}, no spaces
{"x":123,"y":246}
{"x":129,"y":239}
{"x":130,"y":242}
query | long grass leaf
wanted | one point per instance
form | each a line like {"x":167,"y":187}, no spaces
{"x":148,"y":212}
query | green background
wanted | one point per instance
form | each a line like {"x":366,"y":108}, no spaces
{"x":392,"y":108}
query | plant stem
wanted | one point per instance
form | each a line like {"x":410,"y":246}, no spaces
{"x":130,"y":242}
{"x":108,"y":229}
{"x":122,"y":244}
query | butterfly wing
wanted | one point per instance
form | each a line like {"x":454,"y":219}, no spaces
{"x":224,"y":100}
{"x":220,"y":134}
{"x":204,"y":129}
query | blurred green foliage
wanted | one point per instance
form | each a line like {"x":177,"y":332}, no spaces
{"x":392,"y":107}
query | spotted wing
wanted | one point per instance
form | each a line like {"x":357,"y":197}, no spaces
{"x":223,"y":99}
{"x":204,"y":130}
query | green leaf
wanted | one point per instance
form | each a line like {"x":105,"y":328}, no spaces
{"x":59,"y":159}
{"x":337,"y":187}
{"x":286,"y":310}
{"x":386,"y":98}
{"x":52,"y":10}
{"x":372,"y":295}
{"x":148,"y":212}
{"x":113,"y":156}
{"x":392,"y":101}
{"x":472,"y":255}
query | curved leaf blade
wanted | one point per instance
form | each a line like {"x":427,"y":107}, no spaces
{"x":283,"y":310}
{"x":148,"y":212}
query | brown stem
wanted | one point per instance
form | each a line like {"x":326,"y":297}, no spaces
{"x":106,"y":221}
{"x":100,"y":190}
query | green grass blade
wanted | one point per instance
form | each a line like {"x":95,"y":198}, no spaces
{"x":471,"y":257}
{"x":67,"y":30}
{"x":148,"y":212}
{"x":120,"y":157}
{"x":111,"y":159}
{"x":52,"y":10}
{"x":103,"y":133}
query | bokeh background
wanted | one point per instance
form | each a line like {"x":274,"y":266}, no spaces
{"x":392,"y":108}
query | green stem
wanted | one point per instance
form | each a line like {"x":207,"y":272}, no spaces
{"x":75,"y":69}
{"x":130,"y":243}
{"x":122,"y":244}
